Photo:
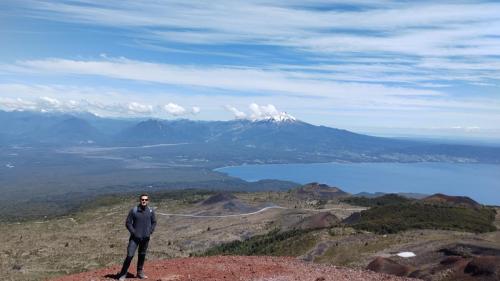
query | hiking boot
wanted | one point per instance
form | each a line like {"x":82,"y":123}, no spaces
{"x":141,"y":275}
{"x":122,"y":277}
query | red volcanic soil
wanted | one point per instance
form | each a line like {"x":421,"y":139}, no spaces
{"x":232,"y":268}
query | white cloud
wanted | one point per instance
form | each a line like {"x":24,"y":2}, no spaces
{"x":195,"y":110}
{"x":175,"y":109}
{"x":43,"y":104}
{"x":17,"y":104}
{"x":135,"y":107}
{"x":237,"y":114}
{"x":465,"y":128}
{"x":399,"y":27}
{"x":427,"y":34}
{"x":442,"y":41}
{"x":275,"y":81}
{"x":100,"y":101}
{"x":260,"y":112}
{"x":263,"y":112}
{"x":50,"y":102}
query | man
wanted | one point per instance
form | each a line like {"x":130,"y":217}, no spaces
{"x":141,"y":223}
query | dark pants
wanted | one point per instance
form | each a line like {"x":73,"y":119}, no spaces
{"x":133,"y":243}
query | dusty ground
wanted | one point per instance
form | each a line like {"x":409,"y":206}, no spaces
{"x":97,"y":238}
{"x":237,"y":269}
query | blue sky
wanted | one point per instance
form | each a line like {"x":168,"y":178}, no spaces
{"x":383,"y":67}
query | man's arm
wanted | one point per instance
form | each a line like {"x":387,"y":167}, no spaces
{"x":153,"y":221}
{"x":129,"y":222}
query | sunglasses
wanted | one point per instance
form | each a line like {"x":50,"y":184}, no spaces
{"x":144,"y":199}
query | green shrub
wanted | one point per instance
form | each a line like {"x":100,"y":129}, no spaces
{"x":388,"y":199}
{"x":274,"y":243}
{"x":400,"y":217}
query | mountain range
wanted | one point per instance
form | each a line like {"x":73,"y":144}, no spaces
{"x":284,"y":138}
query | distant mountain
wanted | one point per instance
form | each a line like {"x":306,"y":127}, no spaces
{"x":32,"y":128}
{"x":282,"y":139}
{"x":286,"y":135}
{"x":27,"y":128}
{"x":154,"y":131}
{"x":73,"y":130}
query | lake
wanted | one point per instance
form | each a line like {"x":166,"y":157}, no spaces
{"x":481,"y":182}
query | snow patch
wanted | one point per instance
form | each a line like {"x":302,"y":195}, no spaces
{"x":406,"y":254}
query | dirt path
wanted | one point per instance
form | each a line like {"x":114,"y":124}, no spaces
{"x":256,"y":212}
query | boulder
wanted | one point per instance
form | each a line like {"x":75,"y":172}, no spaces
{"x":484,"y":266}
{"x":388,"y":266}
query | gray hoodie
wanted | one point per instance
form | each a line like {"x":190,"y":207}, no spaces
{"x":141,"y":222}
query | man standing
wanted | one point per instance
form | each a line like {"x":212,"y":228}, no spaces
{"x":141,"y":223}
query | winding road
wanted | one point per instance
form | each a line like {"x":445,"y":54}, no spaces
{"x":256,"y":212}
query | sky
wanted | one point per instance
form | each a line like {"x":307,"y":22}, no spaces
{"x":428,"y":68}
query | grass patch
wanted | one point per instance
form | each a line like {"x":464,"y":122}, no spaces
{"x":347,"y":254}
{"x":275,"y":243}
{"x":400,"y":217}
{"x":388,"y":199}
{"x":185,"y":196}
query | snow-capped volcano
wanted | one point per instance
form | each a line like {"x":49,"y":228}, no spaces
{"x":268,"y":113}
{"x":280,"y":117}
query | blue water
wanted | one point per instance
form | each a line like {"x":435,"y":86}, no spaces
{"x":481,"y":182}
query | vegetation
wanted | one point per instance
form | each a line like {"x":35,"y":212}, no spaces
{"x":388,"y":199}
{"x":275,"y":243}
{"x":351,"y":253}
{"x":36,"y":207}
{"x":186,"y":196}
{"x":400,"y":217}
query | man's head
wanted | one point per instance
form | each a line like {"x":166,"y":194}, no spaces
{"x":144,"y":200}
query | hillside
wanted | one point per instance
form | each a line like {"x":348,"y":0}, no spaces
{"x":94,"y":237}
{"x":417,"y":215}
{"x":452,"y":200}
{"x":386,"y":199}
{"x":317,"y":191}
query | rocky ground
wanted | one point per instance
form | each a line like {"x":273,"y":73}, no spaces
{"x":232,"y":268}
{"x":96,"y":238}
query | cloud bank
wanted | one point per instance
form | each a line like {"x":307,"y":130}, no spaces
{"x":365,"y":63}
{"x":50,"y":104}
{"x":260,"y":112}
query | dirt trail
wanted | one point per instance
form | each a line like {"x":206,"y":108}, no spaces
{"x":233,"y":268}
{"x":257,"y":212}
